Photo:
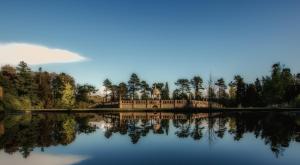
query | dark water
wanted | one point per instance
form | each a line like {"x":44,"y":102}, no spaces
{"x":150,"y":138}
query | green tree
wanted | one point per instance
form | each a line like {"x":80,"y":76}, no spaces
{"x":279,"y":87}
{"x":122,"y":90}
{"x":221,"y":89}
{"x":176,"y":94}
{"x":276,"y":84}
{"x":83,"y":92}
{"x":259,"y":90}
{"x":165,"y":93}
{"x":184,"y":88}
{"x":8,"y":79}
{"x":232,"y":90}
{"x":288,"y":81}
{"x":114,"y":92}
{"x":68,"y":97}
{"x":251,"y":96}
{"x":25,"y":83}
{"x":133,"y":85}
{"x":63,"y":87}
{"x":145,"y":89}
{"x":197,"y":84}
{"x":44,"y":86}
{"x":108,"y":87}
{"x":240,"y":89}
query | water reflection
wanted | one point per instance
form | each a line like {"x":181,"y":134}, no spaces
{"x":24,"y":133}
{"x":41,"y":158}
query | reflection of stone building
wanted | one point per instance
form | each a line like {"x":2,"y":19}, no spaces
{"x":1,"y":92}
{"x":160,"y":115}
{"x":2,"y":129}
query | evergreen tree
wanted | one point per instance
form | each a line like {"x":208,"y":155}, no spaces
{"x":108,"y":88}
{"x":122,"y":90}
{"x":25,"y":85}
{"x":133,"y":85}
{"x":184,"y":88}
{"x":145,"y":90}
{"x":165,"y":94}
{"x":221,"y":89}
{"x":197,"y":83}
{"x":240,"y":89}
{"x":114,"y":92}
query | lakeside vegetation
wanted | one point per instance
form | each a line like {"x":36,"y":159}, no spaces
{"x":27,"y":89}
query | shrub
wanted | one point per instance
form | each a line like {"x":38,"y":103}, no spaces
{"x":11,"y":102}
{"x":25,"y":103}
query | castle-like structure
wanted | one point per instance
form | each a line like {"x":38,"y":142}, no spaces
{"x":157,"y":103}
{"x":163,"y":104}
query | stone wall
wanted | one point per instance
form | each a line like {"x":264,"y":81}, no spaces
{"x":162,"y":104}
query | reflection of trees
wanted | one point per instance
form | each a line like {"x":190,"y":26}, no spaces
{"x":22,"y":133}
{"x":277,"y":130}
{"x":184,"y":128}
{"x":221,"y":126}
{"x":84,"y":126}
{"x":25,"y":132}
{"x":197,"y":134}
{"x":68,"y":131}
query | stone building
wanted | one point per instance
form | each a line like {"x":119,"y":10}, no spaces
{"x":155,"y":94}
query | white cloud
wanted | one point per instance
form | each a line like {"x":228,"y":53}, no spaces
{"x":13,"y":53}
{"x":40,"y":158}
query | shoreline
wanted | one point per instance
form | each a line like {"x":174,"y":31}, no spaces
{"x":188,"y":110}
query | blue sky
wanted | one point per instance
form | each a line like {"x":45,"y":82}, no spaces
{"x":159,"y":40}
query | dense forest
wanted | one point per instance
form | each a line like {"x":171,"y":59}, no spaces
{"x":27,"y":89}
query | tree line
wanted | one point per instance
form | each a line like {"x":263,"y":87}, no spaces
{"x":27,"y":89}
{"x":281,"y":88}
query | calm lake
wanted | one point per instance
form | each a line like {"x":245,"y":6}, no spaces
{"x":150,"y":138}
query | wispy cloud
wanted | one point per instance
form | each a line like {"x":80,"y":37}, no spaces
{"x":13,"y":53}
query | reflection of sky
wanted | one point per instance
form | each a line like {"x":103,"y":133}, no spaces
{"x":169,"y":149}
{"x":39,"y":159}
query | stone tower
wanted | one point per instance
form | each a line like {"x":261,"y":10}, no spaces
{"x":155,"y":93}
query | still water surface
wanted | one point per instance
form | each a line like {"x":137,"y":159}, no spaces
{"x":150,"y":138}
